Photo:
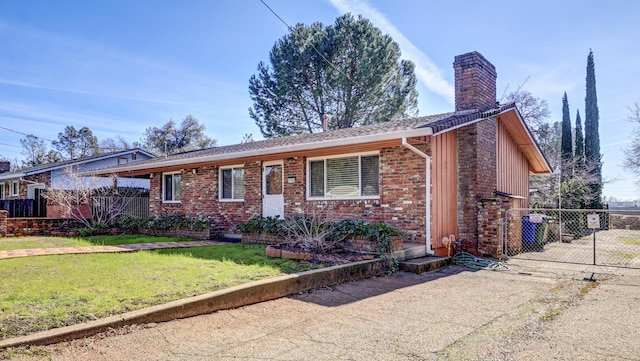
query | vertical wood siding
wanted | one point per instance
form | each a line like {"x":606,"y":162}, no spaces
{"x":444,"y":192}
{"x":513,"y":168}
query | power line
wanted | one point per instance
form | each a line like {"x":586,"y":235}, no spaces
{"x":10,"y":145}
{"x":15,"y":131}
{"x":310,"y":43}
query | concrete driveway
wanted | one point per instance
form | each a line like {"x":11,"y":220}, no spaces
{"x":534,"y":311}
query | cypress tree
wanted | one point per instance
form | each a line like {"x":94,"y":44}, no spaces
{"x":578,"y":161}
{"x":592,"y":138}
{"x":579,"y":146}
{"x":566,"y":148}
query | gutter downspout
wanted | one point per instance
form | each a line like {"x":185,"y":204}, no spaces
{"x":427,"y":191}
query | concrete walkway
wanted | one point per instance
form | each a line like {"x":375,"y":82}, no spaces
{"x":534,"y":311}
{"x":103,"y":249}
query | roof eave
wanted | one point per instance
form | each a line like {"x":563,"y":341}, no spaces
{"x":371,"y":138}
{"x":547,"y":169}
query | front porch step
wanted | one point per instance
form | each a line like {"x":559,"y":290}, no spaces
{"x":424,"y":264}
{"x":410,"y":250}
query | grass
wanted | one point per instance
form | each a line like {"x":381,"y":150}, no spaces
{"x":623,"y":255}
{"x":56,"y":242}
{"x":628,"y":240}
{"x":39,"y":293}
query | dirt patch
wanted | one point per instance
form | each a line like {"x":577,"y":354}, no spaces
{"x":330,"y":258}
{"x":514,"y":332}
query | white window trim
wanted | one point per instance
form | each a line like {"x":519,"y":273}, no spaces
{"x":11,"y":188}
{"x":325,"y":198}
{"x":2,"y":190}
{"x":220,"y":185}
{"x":163,"y":187}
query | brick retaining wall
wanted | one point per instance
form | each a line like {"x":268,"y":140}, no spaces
{"x":10,"y":227}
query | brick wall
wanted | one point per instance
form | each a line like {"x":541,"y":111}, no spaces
{"x":491,"y":216}
{"x":401,"y":204}
{"x":475,"y":82}
{"x":199,"y":197}
{"x":477,"y":177}
{"x":3,"y":222}
{"x":10,"y":227}
{"x":475,"y":88}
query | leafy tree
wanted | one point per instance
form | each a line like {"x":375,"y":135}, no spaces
{"x":534,"y":111}
{"x":247,"y":138}
{"x":344,"y":75}
{"x":73,"y":144}
{"x":632,"y":151}
{"x":118,"y":143}
{"x":566,"y":145}
{"x":36,"y":152}
{"x":92,"y":200}
{"x":169,"y":139}
{"x":591,"y":136}
{"x":549,"y":140}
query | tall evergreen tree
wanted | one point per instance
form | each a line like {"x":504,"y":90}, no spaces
{"x":566,"y":148}
{"x":578,"y":153}
{"x":592,"y":138}
{"x":340,"y":76}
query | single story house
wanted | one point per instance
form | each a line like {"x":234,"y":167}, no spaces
{"x":433,"y":176}
{"x":28,"y":183}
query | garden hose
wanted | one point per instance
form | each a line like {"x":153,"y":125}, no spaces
{"x":470,"y":261}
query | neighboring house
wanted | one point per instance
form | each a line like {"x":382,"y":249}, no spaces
{"x":434,"y":176}
{"x":28,"y":183}
{"x":624,"y":205}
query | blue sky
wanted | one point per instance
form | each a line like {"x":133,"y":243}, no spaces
{"x":120,"y":66}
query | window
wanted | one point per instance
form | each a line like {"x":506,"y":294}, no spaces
{"x":171,"y":187}
{"x":2,"y":194}
{"x":232,"y":183}
{"x":15,"y":188}
{"x":344,"y":177}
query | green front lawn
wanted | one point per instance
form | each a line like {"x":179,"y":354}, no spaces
{"x":56,"y":242}
{"x":39,"y":293}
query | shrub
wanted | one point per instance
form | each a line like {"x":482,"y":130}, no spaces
{"x":258,"y":224}
{"x":83,"y":232}
{"x":178,"y":221}
{"x":132,"y":224}
{"x":310,"y":233}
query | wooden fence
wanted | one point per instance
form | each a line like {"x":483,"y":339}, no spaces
{"x":133,"y":206}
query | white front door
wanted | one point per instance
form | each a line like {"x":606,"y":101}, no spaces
{"x":272,"y":191}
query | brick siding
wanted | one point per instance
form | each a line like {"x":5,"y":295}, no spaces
{"x":401,"y":202}
{"x":475,"y":82}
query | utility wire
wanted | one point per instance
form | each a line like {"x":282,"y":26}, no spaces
{"x":15,"y":131}
{"x":311,"y":43}
{"x":10,"y":145}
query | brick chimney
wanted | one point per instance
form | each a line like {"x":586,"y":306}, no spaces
{"x":475,"y":82}
{"x":5,"y":166}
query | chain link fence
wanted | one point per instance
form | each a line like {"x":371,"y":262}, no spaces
{"x":598,"y":237}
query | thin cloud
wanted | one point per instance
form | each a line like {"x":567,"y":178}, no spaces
{"x":617,"y":143}
{"x":93,"y":69}
{"x":82,"y":92}
{"x":426,"y":70}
